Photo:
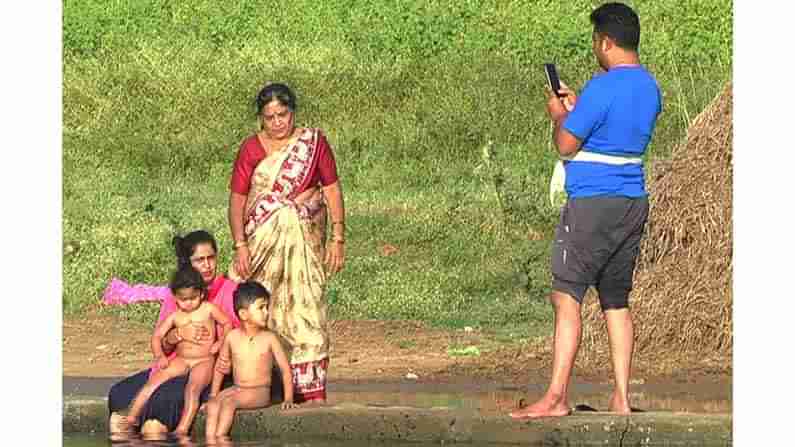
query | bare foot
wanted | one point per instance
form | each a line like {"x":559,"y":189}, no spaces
{"x":546,"y":407}
{"x":113,"y":423}
{"x":180,"y":431}
{"x":221,"y":441}
{"x":120,"y":436}
{"x":154,"y":436}
{"x":126,"y":424}
{"x":619,"y":404}
{"x":183,"y":440}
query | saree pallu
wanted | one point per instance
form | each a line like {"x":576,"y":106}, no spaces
{"x":287,"y":243}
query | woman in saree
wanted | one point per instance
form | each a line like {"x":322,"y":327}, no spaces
{"x":164,"y":408}
{"x":284,"y":185}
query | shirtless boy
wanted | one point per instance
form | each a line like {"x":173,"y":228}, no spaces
{"x":189,"y":291}
{"x":251,"y":350}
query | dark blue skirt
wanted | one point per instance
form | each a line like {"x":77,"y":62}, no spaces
{"x":166,"y":403}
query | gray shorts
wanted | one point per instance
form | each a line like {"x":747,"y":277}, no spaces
{"x":596,"y":244}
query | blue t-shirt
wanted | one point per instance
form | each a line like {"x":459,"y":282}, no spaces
{"x":615,"y":114}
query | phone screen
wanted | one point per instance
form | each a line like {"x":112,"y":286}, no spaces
{"x":552,"y":78}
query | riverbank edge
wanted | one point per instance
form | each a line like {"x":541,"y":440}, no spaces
{"x":351,"y":421}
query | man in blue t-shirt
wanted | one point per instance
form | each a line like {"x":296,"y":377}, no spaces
{"x":601,"y":135}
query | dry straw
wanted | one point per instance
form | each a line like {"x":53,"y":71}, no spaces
{"x":682,"y":298}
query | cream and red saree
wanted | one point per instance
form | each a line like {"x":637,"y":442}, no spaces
{"x":286,"y":242}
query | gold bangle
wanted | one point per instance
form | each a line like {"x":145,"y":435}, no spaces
{"x":339,"y":241}
{"x":339,"y":222}
{"x":239,"y":244}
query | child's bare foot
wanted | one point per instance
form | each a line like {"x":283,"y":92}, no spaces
{"x":547,"y":406}
{"x":619,"y":404}
{"x":220,"y":441}
{"x":183,"y":439}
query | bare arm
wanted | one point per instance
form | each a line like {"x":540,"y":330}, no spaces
{"x":565,"y":141}
{"x":558,"y":109}
{"x":225,"y":323}
{"x":171,"y":340}
{"x":284,"y":366}
{"x":160,"y":333}
{"x":220,"y":371}
{"x":237,"y":204}
{"x":335,"y":254}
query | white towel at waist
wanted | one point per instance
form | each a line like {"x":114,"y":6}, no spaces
{"x":603,"y":158}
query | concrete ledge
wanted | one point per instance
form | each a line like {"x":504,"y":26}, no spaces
{"x":347,"y":421}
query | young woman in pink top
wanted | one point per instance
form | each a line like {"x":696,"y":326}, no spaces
{"x":163,"y":410}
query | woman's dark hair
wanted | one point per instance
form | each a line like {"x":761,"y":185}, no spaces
{"x":187,"y":277}
{"x":248,"y":292}
{"x":278,"y":91}
{"x":618,"y":21}
{"x":186,"y":245}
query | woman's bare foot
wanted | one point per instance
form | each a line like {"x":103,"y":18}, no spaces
{"x":619,"y":404}
{"x":547,"y":406}
{"x":113,"y":423}
{"x":154,"y":436}
{"x":115,"y":431}
{"x":126,"y":424}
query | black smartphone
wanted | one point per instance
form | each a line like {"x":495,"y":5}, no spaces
{"x":552,"y":78}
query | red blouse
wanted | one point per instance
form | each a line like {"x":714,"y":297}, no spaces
{"x":251,"y":153}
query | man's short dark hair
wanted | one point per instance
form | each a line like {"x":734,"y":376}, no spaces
{"x":619,"y":22}
{"x":248,"y":292}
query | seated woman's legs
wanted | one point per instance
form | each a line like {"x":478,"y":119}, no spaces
{"x":161,"y":415}
{"x":121,"y":395}
{"x":177,"y":367}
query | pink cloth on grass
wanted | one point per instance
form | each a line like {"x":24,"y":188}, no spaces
{"x":119,"y":292}
{"x":219,"y":292}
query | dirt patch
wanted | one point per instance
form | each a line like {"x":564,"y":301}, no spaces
{"x":100,"y":345}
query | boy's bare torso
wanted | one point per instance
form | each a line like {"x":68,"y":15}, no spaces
{"x":252,"y":358}
{"x":202,"y":315}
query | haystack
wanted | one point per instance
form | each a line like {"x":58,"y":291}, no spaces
{"x":682,"y":297}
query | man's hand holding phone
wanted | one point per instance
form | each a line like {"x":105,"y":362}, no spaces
{"x":560,"y":99}
{"x":561,"y":104}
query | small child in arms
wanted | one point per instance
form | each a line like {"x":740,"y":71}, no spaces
{"x":250,"y":350}
{"x":189,"y":291}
